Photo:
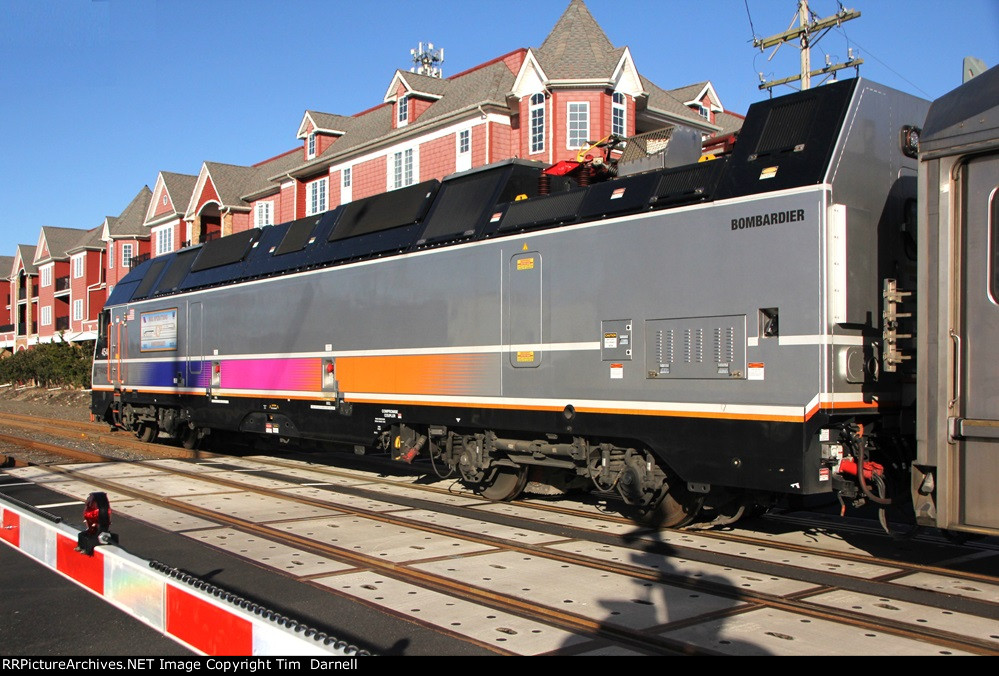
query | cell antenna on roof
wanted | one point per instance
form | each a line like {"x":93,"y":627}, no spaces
{"x":427,"y":60}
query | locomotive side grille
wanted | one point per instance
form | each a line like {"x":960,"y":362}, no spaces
{"x":298,"y":235}
{"x":461,"y":205}
{"x":558,"y":208}
{"x":152,"y":274}
{"x":177,"y":271}
{"x":688,"y":184}
{"x":787,"y":126}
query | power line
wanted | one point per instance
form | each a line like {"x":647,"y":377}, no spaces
{"x":751,"y":26}
{"x":873,"y":56}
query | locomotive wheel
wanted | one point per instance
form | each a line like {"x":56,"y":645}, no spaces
{"x":147,"y":432}
{"x":189,"y":437}
{"x":678,"y":509}
{"x":507,"y":484}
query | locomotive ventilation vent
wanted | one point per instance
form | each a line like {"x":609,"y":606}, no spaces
{"x":404,"y":206}
{"x":225,"y":251}
{"x":557,"y":208}
{"x":787,"y":126}
{"x":298,"y":235}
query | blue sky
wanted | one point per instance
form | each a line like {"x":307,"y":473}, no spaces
{"x":98,"y":96}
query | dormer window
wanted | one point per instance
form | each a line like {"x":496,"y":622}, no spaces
{"x":704,"y":112}
{"x":312,"y":145}
{"x":402,"y":117}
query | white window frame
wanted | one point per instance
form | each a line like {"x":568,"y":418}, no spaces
{"x":619,"y":114}
{"x":78,"y":266}
{"x":704,"y":111}
{"x":263,"y":214}
{"x":316,"y":195}
{"x":536,"y":115}
{"x":164,"y":240}
{"x":463,"y":150}
{"x":402,"y":112}
{"x":403,"y":168}
{"x":126,"y":254}
{"x":46,"y":318}
{"x":78,"y":310}
{"x":346,"y":184}
{"x":577,"y":131}
{"x":311,"y":145}
{"x":46,"y":274}
{"x":111,"y":256}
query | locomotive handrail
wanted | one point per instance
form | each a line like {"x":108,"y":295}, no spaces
{"x":122,"y":347}
{"x":957,"y":368}
{"x":108,"y":362}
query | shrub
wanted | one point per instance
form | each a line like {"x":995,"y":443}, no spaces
{"x":58,"y":363}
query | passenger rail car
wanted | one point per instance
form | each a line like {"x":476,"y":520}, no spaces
{"x":694,"y":339}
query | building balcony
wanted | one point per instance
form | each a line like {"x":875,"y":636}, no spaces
{"x":135,"y":261}
{"x":62,"y":323}
{"x":62,"y":285}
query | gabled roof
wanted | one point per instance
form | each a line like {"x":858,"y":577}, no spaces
{"x":53,"y":243}
{"x":325,"y":123}
{"x":24,"y":257}
{"x":6,"y":263}
{"x":695,"y":93}
{"x":416,"y":84}
{"x":130,"y":222}
{"x":177,"y":188}
{"x":236,"y":184}
{"x":91,"y":239}
{"x":667,"y":104}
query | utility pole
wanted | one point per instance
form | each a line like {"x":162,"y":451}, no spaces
{"x":803,"y":34}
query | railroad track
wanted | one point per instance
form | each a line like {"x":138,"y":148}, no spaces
{"x":738,"y":578}
{"x":81,"y":433}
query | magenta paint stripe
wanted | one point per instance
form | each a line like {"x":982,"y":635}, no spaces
{"x":272,"y":374}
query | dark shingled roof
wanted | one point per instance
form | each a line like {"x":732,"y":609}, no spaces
{"x":6,"y":265}
{"x":129,"y":223}
{"x":58,"y":241}
{"x":180,"y":187}
{"x":729,"y":122}
{"x":91,"y":239}
{"x":425,"y":84}
{"x":236,"y":184}
{"x":664,"y":101}
{"x":329,"y":121}
{"x":27,"y":253}
{"x":578,"y":48}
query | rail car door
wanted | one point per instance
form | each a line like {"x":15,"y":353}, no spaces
{"x":976,"y":425}
{"x":524,"y":309}
{"x":195,"y":345}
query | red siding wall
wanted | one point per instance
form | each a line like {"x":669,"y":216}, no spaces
{"x":160,"y":207}
{"x":370,"y":178}
{"x":284,"y":210}
{"x":437,"y":157}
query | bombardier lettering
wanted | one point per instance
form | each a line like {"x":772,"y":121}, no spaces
{"x":759,"y":220}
